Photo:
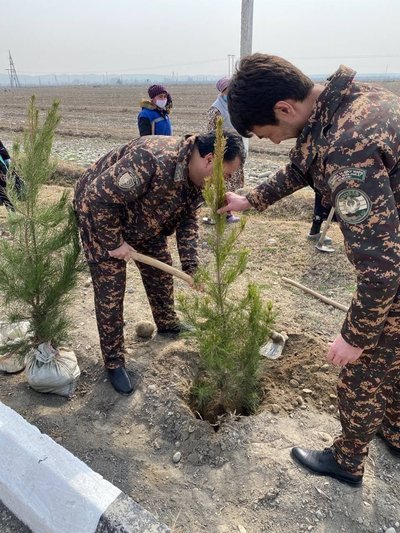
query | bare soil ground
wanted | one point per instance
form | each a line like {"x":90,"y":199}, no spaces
{"x":240,"y":478}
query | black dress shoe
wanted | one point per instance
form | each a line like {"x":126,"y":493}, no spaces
{"x":393,"y":449}
{"x":174,"y":330}
{"x":120,"y":380}
{"x":324,"y":464}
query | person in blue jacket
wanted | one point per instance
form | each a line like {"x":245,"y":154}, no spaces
{"x":5,"y":174}
{"x":153,"y":118}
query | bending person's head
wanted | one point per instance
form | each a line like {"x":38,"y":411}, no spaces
{"x":233,"y":148}
{"x":201,"y":161}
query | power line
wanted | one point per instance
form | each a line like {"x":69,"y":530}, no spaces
{"x":135,"y":69}
{"x":349,"y":57}
{"x":221,"y":60}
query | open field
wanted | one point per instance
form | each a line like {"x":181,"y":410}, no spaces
{"x":96,"y":119}
{"x":240,"y":478}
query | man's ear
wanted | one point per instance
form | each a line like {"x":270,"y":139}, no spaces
{"x":208,"y":158}
{"x":284,"y":110}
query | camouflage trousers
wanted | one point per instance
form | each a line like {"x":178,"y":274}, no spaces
{"x":109,"y":282}
{"x":369,"y":397}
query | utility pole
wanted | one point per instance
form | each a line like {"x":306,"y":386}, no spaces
{"x":246,"y":36}
{"x":231,"y":64}
{"x":14,"y":81}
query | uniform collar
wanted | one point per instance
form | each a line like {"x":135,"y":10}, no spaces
{"x":185,"y":150}
{"x":312,"y":138}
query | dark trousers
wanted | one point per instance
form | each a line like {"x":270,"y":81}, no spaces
{"x":17,"y":183}
{"x":109,"y":282}
{"x":321,"y":212}
{"x":369,"y":397}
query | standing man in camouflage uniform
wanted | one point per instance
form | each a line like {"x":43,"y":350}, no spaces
{"x":348,"y":148}
{"x":132,"y":199}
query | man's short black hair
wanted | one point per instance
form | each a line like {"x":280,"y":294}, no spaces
{"x":234,"y":145}
{"x":260,"y":82}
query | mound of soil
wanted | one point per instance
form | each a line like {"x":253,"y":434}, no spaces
{"x":301,"y":378}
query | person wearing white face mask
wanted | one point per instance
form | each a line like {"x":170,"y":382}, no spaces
{"x":153,"y":118}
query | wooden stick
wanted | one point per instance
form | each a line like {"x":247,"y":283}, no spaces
{"x":316,"y":294}
{"x":136,"y":256}
{"x":278,"y":339}
{"x":265,"y":174}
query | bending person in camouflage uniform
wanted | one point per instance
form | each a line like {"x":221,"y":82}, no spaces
{"x":348,"y":145}
{"x":132,"y":199}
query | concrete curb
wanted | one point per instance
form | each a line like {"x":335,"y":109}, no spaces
{"x":52,"y":491}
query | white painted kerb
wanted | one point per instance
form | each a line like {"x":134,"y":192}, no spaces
{"x":44,"y":485}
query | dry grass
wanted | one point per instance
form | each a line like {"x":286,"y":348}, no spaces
{"x":66,"y":173}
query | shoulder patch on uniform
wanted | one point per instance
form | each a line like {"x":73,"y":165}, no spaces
{"x":128,"y":181}
{"x":353,"y":205}
{"x":346,"y":174}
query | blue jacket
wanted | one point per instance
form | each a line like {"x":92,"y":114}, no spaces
{"x":154,"y":122}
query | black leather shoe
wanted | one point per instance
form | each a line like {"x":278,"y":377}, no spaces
{"x":120,"y":380}
{"x":324,"y":464}
{"x":393,"y":449}
{"x":174,"y":330}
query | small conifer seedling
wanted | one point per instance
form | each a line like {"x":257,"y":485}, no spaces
{"x":39,"y":262}
{"x":229,"y":329}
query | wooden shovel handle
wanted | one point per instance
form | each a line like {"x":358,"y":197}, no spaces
{"x":315,"y":294}
{"x":278,"y":338}
{"x":136,"y":256}
{"x":326,"y":227}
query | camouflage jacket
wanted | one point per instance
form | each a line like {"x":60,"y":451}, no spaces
{"x":349,"y":150}
{"x":138,"y":193}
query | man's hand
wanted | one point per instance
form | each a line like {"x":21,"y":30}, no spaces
{"x":341,"y":352}
{"x":123,"y":252}
{"x":234,"y":202}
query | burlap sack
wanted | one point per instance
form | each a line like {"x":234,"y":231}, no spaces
{"x":50,"y":370}
{"x":11,"y":362}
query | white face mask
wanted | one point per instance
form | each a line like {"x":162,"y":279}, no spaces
{"x":161,"y":103}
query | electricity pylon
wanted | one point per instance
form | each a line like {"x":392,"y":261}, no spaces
{"x":14,"y":81}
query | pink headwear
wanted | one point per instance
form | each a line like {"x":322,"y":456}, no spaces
{"x":223,"y":83}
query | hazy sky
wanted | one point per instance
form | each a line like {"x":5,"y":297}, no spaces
{"x":195,"y":36}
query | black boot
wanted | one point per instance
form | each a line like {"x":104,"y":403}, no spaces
{"x":174,"y":330}
{"x":315,"y":232}
{"x":324,"y":464}
{"x":120,"y":380}
{"x":315,"y":226}
{"x":393,"y":449}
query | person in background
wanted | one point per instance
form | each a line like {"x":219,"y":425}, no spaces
{"x":153,"y":118}
{"x":320,"y":214}
{"x":219,"y":108}
{"x":5,"y":161}
{"x":5,"y":156}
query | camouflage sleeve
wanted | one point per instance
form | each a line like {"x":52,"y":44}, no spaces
{"x":120,"y":184}
{"x":212,"y":114}
{"x":187,"y":236}
{"x":286,"y":181}
{"x":366,"y":210}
